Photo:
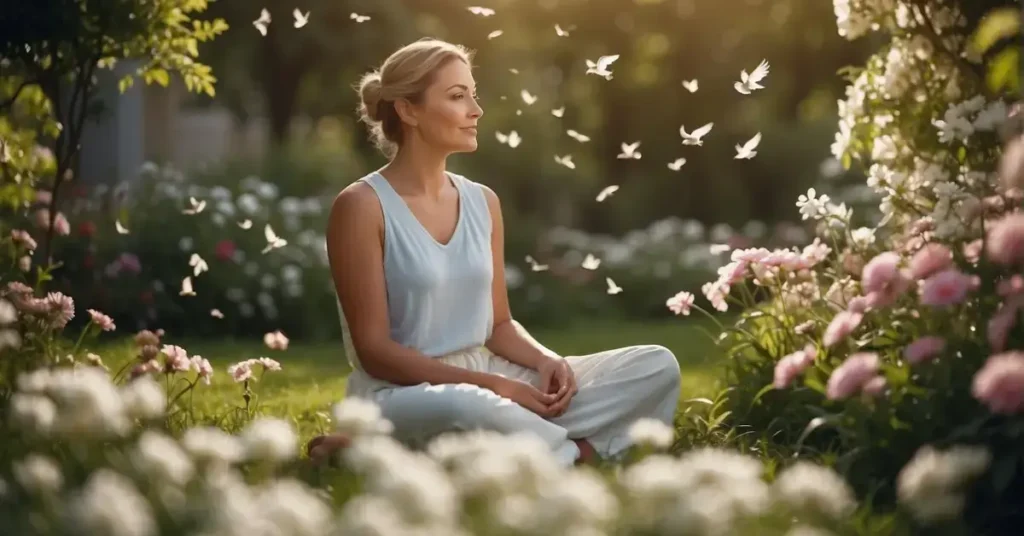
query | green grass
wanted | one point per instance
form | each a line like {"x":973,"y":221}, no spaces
{"x":313,"y":376}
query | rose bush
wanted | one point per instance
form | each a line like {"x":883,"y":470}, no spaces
{"x":898,"y":327}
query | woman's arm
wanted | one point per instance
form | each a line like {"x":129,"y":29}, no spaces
{"x":355,"y":234}
{"x":509,"y":339}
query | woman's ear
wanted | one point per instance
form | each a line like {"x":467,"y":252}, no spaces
{"x":406,"y":112}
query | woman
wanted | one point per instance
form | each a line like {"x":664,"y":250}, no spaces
{"x":417,"y":258}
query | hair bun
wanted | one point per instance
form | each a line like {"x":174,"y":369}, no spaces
{"x":370,"y":90}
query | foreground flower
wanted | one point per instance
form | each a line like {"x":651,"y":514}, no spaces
{"x":1000,"y":383}
{"x":792,"y":365}
{"x":276,"y":340}
{"x":240,"y":372}
{"x":270,"y":440}
{"x":851,"y":377}
{"x":681,"y":303}
{"x":930,"y":259}
{"x":104,"y":322}
{"x":924,"y":349}
{"x":881,"y":272}
{"x":1005,"y":241}
{"x":652,"y":433}
{"x":806,"y":487}
{"x":110,"y":504}
{"x":931,"y":485}
{"x":354,"y":417}
{"x":842,"y":326}
{"x":948,"y":287}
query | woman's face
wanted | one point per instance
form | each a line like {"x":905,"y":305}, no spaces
{"x":447,"y":117}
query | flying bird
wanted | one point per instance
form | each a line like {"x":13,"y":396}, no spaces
{"x":600,"y":67}
{"x":262,"y":22}
{"x":629,"y":150}
{"x":300,"y":19}
{"x":747,"y":151}
{"x":696,"y":137}
{"x":749,"y":83}
{"x":606,"y":192}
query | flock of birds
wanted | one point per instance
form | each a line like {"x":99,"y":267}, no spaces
{"x":601,"y":67}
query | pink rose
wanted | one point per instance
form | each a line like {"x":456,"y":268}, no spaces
{"x":852,"y":375}
{"x":1005,"y":242}
{"x":924,"y":349}
{"x":930,"y":259}
{"x":880,"y":272}
{"x":841,"y":327}
{"x":948,"y":287}
{"x":1000,"y":383}
{"x":875,"y":386}
{"x":792,"y":365}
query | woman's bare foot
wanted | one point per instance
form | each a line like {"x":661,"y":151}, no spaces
{"x":588,"y":455}
{"x":321,"y":448}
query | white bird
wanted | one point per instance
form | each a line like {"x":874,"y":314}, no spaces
{"x":560,"y":32}
{"x":273,"y":241}
{"x":216,"y":313}
{"x":186,"y":287}
{"x":695,"y":138}
{"x":511,"y":139}
{"x":590,"y":262}
{"x":534,"y":265}
{"x":198,"y":264}
{"x":196,"y":208}
{"x":612,"y":287}
{"x":359,"y":18}
{"x":262,"y":22}
{"x":565,"y":161}
{"x":527,"y":97}
{"x":747,"y":151}
{"x":600,"y":67}
{"x":691,"y":85}
{"x":558,"y":112}
{"x":606,"y":192}
{"x":300,"y":19}
{"x":513,"y":70}
{"x":629,"y":150}
{"x":245,"y":224}
{"x":482,"y":11}
{"x":582,"y":138}
{"x":676,"y":164}
{"x":749,"y":83}
{"x":121,"y":229}
{"x":494,"y":34}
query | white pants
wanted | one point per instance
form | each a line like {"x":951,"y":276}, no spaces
{"x":616,"y":387}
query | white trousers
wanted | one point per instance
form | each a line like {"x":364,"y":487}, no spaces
{"x":616,"y":387}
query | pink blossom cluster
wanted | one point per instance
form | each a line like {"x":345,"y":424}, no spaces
{"x":681,"y":303}
{"x":765,"y":265}
{"x":793,"y":365}
{"x":53,"y":311}
{"x":242,"y":370}
{"x":101,"y":320}
{"x":1000,"y":383}
{"x":23,"y":239}
{"x":176,"y":359}
{"x":61,"y":226}
{"x":857,"y":374}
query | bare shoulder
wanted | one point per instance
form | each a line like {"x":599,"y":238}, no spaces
{"x":356,"y":202}
{"x":493,"y":202}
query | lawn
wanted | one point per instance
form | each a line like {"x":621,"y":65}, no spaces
{"x":313,"y":375}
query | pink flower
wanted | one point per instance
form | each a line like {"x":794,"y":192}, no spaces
{"x":875,"y":386}
{"x":999,"y":326}
{"x":857,"y":304}
{"x":681,"y":303}
{"x":240,"y":371}
{"x":930,"y":259}
{"x":1000,"y":383}
{"x":61,"y":309}
{"x":1005,"y":241}
{"x":202,"y":366}
{"x":841,"y":327}
{"x":268,"y":363}
{"x":732,"y":273}
{"x":1009,"y":287}
{"x":276,"y":340}
{"x":749,"y":255}
{"x":716,"y":293}
{"x":815,"y":253}
{"x":852,"y":375}
{"x":177,"y":358}
{"x":103,"y":321}
{"x":948,"y":287}
{"x":60,"y":223}
{"x":24,"y":239}
{"x":924,"y":349}
{"x":792,"y":365}
{"x":25,"y":263}
{"x":43,"y":196}
{"x":881,"y":272}
{"x":804,"y":327}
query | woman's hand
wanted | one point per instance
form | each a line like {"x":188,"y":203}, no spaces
{"x":557,"y":378}
{"x":525,"y":395}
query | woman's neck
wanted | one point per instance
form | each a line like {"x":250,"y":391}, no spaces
{"x":417,"y":172}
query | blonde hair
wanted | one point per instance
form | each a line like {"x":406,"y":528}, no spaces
{"x":406,"y":74}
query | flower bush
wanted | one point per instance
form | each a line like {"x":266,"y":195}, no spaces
{"x":897,"y":327}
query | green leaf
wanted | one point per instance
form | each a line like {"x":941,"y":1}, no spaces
{"x":961,"y":154}
{"x":1004,"y":71}
{"x":815,"y":384}
{"x":160,"y":76}
{"x":125,"y":83}
{"x":757,"y":397}
{"x":998,"y":24}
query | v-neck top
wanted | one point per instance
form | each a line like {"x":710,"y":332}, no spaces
{"x":439,"y":295}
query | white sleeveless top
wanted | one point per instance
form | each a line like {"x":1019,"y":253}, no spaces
{"x":439,"y":295}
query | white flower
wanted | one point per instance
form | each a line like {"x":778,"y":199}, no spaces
{"x":651,"y":432}
{"x":8,"y":314}
{"x":807,"y":487}
{"x":580,"y":499}
{"x":355,"y":416}
{"x":931,"y":485}
{"x":269,"y":439}
{"x":292,"y":508}
{"x":38,"y":474}
{"x":143,"y":398}
{"x":88,"y":405}
{"x":212,"y":444}
{"x":33,"y":412}
{"x":862,"y":237}
{"x":812,"y":207}
{"x":850,"y":22}
{"x":162,"y":458}
{"x":275,"y":340}
{"x":110,"y":505}
{"x":992,"y":117}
